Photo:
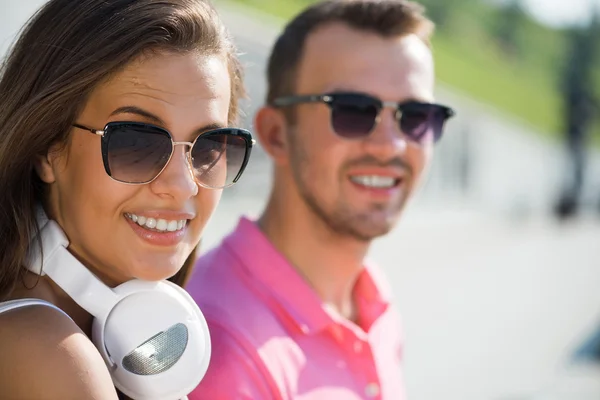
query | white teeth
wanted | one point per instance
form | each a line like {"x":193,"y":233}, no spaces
{"x":160,"y":225}
{"x":172,"y":225}
{"x":375,"y":181}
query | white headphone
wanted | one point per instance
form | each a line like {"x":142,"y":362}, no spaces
{"x":152,"y":335}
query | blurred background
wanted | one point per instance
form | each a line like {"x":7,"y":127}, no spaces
{"x":496,"y":263}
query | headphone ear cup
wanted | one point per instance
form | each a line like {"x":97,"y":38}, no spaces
{"x":155,"y":341}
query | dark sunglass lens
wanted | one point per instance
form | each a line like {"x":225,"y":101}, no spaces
{"x":218,"y":158}
{"x":422,"y":122}
{"x":353,"y":116}
{"x":136,"y":153}
{"x":438,"y":120}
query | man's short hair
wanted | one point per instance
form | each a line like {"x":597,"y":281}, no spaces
{"x":387,"y":18}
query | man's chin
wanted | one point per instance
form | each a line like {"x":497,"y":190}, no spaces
{"x":371,"y":231}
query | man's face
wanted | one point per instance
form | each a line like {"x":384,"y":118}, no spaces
{"x":358,"y":187}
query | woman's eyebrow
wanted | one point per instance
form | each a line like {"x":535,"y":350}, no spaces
{"x":140,"y":112}
{"x":209,"y":127}
{"x":157,"y":120}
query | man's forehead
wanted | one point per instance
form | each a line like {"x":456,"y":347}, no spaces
{"x":338,"y":55}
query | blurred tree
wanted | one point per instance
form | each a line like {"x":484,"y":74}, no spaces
{"x":438,"y":12}
{"x":508,"y":26}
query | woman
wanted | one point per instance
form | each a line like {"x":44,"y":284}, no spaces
{"x":111,"y":117}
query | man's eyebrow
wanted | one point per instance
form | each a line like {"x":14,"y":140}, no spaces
{"x":140,"y":112}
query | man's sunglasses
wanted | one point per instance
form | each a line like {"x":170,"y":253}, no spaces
{"x":355,"y":115}
{"x":137,"y":153}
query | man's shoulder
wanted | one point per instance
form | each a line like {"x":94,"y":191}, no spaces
{"x":231,"y":298}
{"x":233,"y":359}
{"x":217,"y":278}
{"x":243,"y":316}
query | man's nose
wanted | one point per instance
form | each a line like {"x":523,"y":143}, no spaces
{"x":386,"y":140}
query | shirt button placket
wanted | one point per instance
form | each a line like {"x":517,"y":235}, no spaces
{"x":365,"y":363}
{"x":372,"y":390}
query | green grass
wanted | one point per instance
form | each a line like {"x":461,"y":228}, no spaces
{"x":470,"y":60}
{"x":285,"y":9}
{"x":522,"y":92}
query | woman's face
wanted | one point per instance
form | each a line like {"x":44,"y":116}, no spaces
{"x":184,"y":94}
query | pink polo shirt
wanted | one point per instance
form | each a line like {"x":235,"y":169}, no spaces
{"x":272,"y":338}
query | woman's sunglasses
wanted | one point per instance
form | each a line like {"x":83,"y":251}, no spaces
{"x":137,"y":153}
{"x":355,"y":115}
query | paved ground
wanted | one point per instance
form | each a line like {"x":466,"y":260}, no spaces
{"x":495,"y":296}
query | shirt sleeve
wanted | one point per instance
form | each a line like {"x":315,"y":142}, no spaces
{"x":233,"y":372}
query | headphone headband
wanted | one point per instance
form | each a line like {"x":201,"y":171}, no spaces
{"x":53,"y":259}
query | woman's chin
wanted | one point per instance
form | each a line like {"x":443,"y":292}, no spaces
{"x":147,"y":266}
{"x":157,"y":275}
{"x":155,"y":272}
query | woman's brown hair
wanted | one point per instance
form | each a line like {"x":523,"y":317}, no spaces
{"x":65,"y":50}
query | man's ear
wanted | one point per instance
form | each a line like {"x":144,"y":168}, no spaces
{"x":271,"y":128}
{"x":44,"y":166}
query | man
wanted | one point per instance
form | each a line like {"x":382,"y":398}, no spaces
{"x":580,"y":105}
{"x":294,"y":312}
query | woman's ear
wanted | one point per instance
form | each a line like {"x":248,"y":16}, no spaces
{"x":44,"y":166}
{"x":271,"y":128}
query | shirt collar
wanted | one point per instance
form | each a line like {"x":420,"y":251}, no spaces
{"x":293,"y":297}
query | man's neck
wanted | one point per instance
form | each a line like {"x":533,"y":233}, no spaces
{"x":328,"y":261}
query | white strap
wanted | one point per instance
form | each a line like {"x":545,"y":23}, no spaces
{"x":20,"y":303}
{"x":67,"y":272}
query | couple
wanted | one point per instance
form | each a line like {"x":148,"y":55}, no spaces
{"x":117,"y":118}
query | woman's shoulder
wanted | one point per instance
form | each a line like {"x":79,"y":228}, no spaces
{"x":46,"y":356}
